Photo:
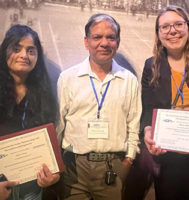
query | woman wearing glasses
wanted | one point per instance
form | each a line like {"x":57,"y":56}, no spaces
{"x":161,"y":79}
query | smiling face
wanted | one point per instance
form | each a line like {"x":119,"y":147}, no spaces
{"x":22,"y":58}
{"x":102,"y":42}
{"x":173,"y":40}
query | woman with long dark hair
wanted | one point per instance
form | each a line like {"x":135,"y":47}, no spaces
{"x":26,"y":98}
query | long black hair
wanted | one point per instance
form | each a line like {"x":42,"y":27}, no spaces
{"x":41,"y":104}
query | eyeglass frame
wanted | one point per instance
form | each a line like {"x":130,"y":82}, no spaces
{"x":172,"y":25}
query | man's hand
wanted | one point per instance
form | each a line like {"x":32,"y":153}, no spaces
{"x":45,"y":178}
{"x":127,"y":162}
{"x":5,"y":189}
{"x":150,"y":144}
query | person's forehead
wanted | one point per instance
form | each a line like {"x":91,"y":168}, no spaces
{"x":170,"y":16}
{"x":98,"y":26}
{"x":26,"y":40}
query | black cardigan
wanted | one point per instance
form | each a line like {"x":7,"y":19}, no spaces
{"x":155,"y":97}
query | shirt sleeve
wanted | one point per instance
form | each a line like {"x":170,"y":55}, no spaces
{"x":63,"y":107}
{"x":133,"y":120}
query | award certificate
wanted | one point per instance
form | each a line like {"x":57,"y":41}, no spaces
{"x":170,"y":129}
{"x":23,"y":153}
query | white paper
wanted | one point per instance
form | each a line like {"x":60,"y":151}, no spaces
{"x":171,"y":130}
{"x":21,"y":156}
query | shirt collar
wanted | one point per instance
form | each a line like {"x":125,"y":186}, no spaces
{"x":117,"y":70}
{"x":85,"y":69}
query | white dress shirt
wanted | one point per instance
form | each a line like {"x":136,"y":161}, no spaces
{"x":121,"y":108}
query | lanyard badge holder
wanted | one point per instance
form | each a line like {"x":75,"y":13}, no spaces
{"x":103,"y":96}
{"x":98,"y":128}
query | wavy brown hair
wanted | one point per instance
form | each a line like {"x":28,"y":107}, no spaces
{"x":159,"y":50}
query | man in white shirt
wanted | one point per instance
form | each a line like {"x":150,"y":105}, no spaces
{"x":100,"y":108}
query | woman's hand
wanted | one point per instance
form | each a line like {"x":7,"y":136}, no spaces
{"x":45,"y":178}
{"x":150,"y":144}
{"x":5,"y":188}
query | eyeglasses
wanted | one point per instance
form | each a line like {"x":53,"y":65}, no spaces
{"x":178,"y":26}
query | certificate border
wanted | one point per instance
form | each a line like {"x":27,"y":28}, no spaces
{"x":52,"y":136}
{"x":154,"y":117}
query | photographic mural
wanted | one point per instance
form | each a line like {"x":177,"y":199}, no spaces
{"x":60,"y":25}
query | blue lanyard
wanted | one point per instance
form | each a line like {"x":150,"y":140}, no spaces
{"x":179,"y":89}
{"x":24,"y":114}
{"x":103,"y":96}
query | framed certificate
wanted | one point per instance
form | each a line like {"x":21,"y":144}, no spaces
{"x":170,"y":129}
{"x":22,"y":153}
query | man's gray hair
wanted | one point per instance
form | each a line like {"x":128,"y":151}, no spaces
{"x":96,"y":18}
